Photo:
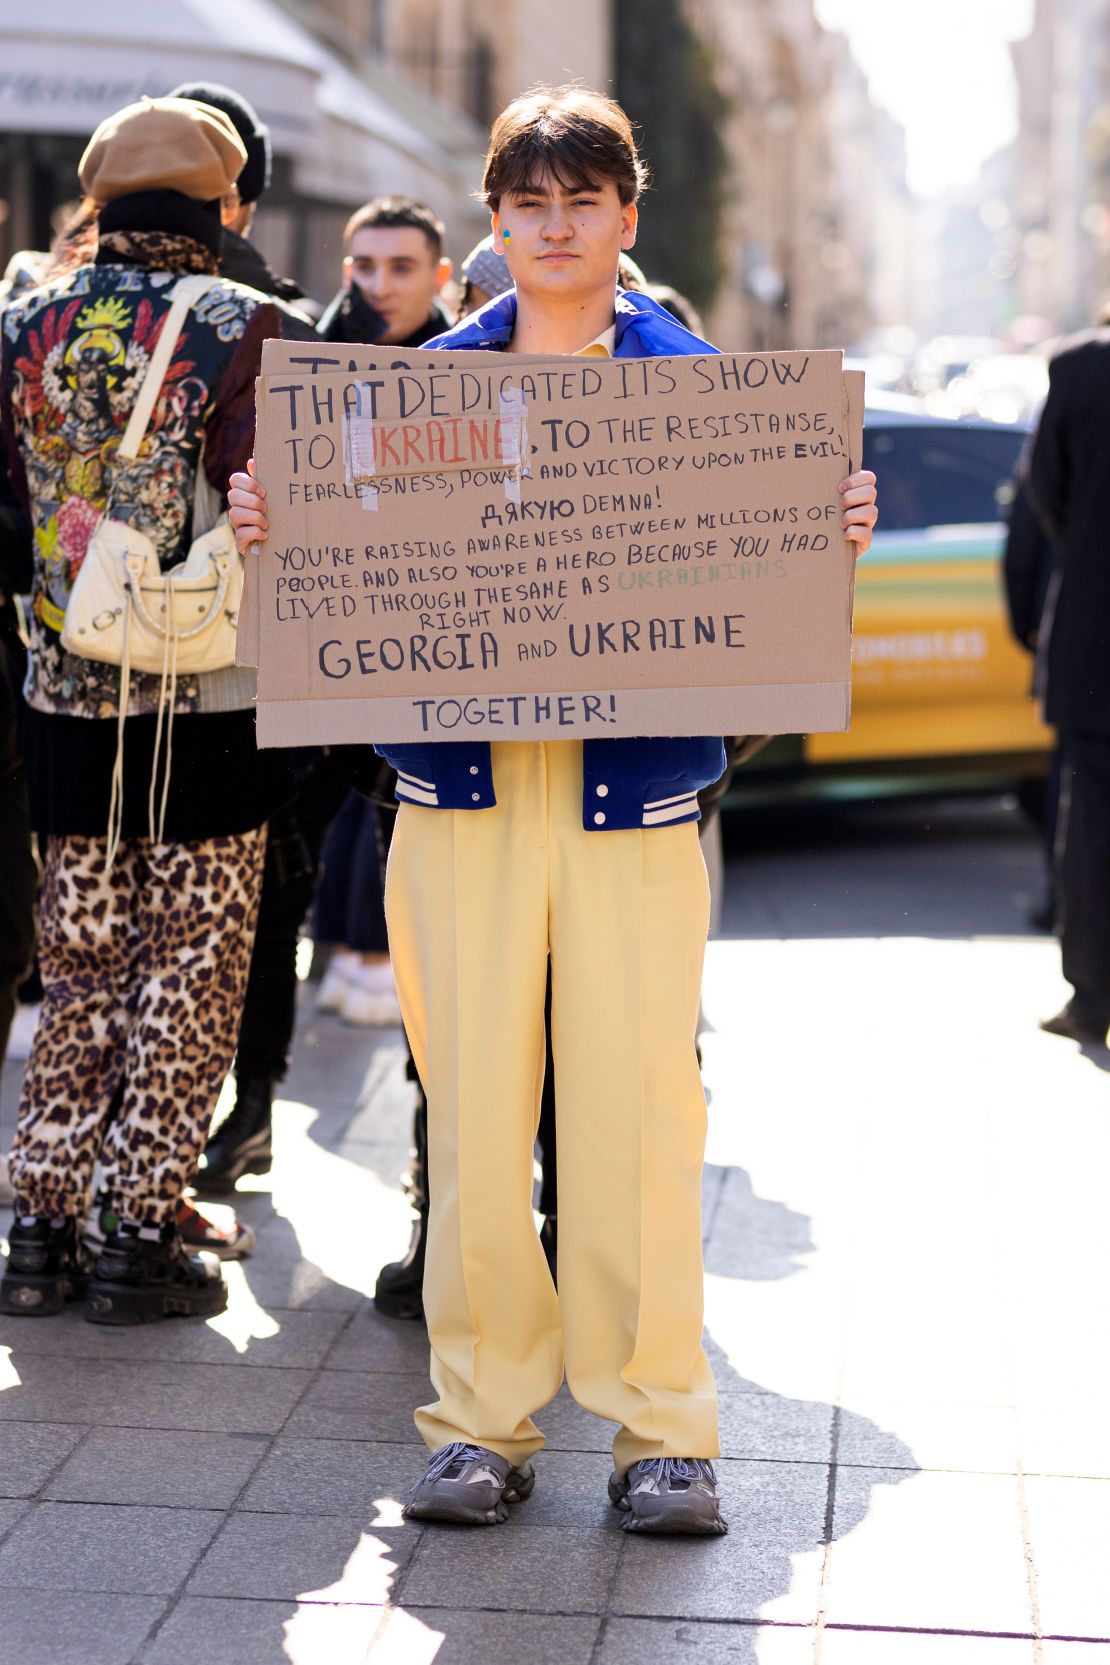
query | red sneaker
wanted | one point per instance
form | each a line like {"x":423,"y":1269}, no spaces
{"x":197,"y":1231}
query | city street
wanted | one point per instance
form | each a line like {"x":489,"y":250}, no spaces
{"x":905,"y":1207}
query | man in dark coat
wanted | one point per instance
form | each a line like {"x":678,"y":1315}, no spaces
{"x":1068,"y":476}
{"x":394,"y":270}
{"x":240,"y":259}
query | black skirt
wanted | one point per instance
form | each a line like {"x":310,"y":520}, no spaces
{"x":220,"y":783}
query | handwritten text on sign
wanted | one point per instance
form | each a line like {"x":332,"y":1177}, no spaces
{"x":545,"y":547}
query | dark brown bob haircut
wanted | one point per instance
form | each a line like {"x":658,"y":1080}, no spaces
{"x":398,"y":211}
{"x":576,"y":137}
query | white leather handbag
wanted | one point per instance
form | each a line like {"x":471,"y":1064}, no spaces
{"x":124,"y":610}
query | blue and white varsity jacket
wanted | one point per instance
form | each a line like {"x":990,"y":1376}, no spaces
{"x":625,"y":783}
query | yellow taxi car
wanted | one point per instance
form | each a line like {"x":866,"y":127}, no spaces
{"x":940,"y":690}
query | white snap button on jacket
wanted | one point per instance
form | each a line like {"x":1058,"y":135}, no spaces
{"x":603,"y":791}
{"x":599,"y":819}
{"x":473,"y":768}
{"x":476,"y":797}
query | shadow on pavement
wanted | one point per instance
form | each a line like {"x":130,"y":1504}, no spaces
{"x":300,"y":1564}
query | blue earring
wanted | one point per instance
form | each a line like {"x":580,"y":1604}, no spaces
{"x":506,"y":236}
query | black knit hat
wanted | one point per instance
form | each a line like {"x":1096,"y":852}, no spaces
{"x":254,"y":133}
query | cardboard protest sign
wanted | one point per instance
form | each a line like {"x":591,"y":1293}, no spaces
{"x":515,"y":548}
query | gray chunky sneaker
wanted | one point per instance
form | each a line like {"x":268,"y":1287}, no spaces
{"x":469,"y":1484}
{"x":669,"y":1494}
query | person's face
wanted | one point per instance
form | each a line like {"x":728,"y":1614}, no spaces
{"x":564,"y":243}
{"x":395,"y":269}
{"x":236,"y":214}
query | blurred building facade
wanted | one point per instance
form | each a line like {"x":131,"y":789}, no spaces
{"x":345,"y":125}
{"x":968,"y":249}
{"x":475,"y":55}
{"x":1061,"y":198}
{"x":817,"y":228}
{"x":362,"y":97}
{"x":369,"y":96}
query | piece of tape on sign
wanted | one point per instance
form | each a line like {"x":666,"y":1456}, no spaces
{"x":358,"y":453}
{"x":513,"y":422}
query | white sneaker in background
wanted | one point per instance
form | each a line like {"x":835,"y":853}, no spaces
{"x":24,"y":1024}
{"x":370,"y":999}
{"x":7,"y":1195}
{"x":334,"y":983}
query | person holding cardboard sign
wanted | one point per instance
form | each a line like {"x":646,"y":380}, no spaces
{"x":584,"y":855}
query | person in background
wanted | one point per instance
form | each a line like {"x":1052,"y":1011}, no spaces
{"x":678,"y":306}
{"x":1029,"y":565}
{"x":394,"y":272}
{"x":242,"y":1143}
{"x":240,"y":259}
{"x":1068,"y":476}
{"x":350,"y":919}
{"x":485,"y":274}
{"x":144,"y":950}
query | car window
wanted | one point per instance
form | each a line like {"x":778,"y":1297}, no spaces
{"x":932,"y":476}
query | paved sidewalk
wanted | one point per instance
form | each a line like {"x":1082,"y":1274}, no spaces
{"x":907,"y":1270}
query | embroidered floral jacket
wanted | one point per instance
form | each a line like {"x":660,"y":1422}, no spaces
{"x":72,"y":356}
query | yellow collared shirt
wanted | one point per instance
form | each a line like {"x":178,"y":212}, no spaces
{"x":602,"y":346}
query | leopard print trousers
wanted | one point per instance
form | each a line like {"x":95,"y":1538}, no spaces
{"x":144,"y":970}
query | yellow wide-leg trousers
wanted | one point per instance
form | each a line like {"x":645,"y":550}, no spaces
{"x":476,"y":901}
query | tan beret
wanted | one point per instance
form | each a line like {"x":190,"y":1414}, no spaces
{"x":163,"y":144}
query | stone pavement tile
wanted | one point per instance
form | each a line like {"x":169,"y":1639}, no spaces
{"x":763,"y":1425}
{"x":383,"y":1099}
{"x":570,"y":1491}
{"x":29,"y":1454}
{"x":419,"y":1635}
{"x":515,"y":1567}
{"x":10,"y":1513}
{"x":1069,"y":1530}
{"x":162,"y":1395}
{"x":371,"y":1342}
{"x":346,"y":1405}
{"x":567,"y":1427}
{"x":928,"y":1551}
{"x":685,"y":1642}
{"x":884,"y":1647}
{"x":301,"y":1341}
{"x":768,"y":1566}
{"x":336,"y":1477}
{"x":389,"y":1158}
{"x":156,"y":1466}
{"x":1069,"y":1437}
{"x":978,"y":1439}
{"x":278,"y":1276}
{"x":970,"y":1367}
{"x":783,"y":1645}
{"x":72,"y":1626}
{"x":777,"y":1336}
{"x":328,"y":1558}
{"x":222,"y":1631}
{"x":92,"y":1546}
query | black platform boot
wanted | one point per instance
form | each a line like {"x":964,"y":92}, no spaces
{"x":47,"y":1266}
{"x":138,"y":1280}
{"x":243,"y":1144}
{"x":399,"y":1291}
